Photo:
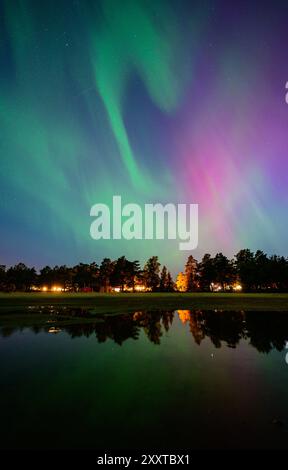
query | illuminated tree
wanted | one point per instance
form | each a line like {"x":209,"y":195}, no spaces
{"x":181,"y":282}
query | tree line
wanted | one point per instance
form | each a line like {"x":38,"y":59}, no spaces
{"x":110,"y":274}
{"x":246,"y":271}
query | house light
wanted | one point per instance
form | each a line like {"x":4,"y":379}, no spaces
{"x":238,"y":287}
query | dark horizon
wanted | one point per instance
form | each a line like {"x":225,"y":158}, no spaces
{"x":246,"y":271}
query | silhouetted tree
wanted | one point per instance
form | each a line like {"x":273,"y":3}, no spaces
{"x":124,"y":273}
{"x":84,"y":275}
{"x":151,"y":273}
{"x":261,"y":270}
{"x":207,"y":273}
{"x":105,"y":272}
{"x":133,"y":273}
{"x":3,"y":277}
{"x":20,"y":277}
{"x":170,"y":283}
{"x":191,"y":271}
{"x":163,"y":279}
{"x":46,"y":276}
{"x":224,"y":270}
{"x":245,"y":268}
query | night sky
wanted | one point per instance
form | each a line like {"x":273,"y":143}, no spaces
{"x":169,"y":101}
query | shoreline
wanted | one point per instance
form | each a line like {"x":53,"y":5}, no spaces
{"x":129,"y":302}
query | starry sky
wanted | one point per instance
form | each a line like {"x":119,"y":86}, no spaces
{"x":156,"y":101}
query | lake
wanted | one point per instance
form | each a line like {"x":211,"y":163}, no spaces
{"x":163,"y":380}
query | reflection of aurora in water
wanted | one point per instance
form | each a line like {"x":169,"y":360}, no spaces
{"x":82,"y":380}
{"x":264,"y":331}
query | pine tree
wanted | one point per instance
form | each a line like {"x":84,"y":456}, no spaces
{"x":191,"y":271}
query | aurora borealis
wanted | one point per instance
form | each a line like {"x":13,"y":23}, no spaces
{"x":157,"y":101}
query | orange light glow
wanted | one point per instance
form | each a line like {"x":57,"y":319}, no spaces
{"x":184,"y":315}
{"x":237,"y":287}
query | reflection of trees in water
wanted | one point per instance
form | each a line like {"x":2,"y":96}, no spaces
{"x":220,"y":327}
{"x":264,"y":330}
{"x":153,"y":323}
{"x":119,"y":328}
{"x":267,"y":330}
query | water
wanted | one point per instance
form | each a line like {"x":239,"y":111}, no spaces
{"x":161,"y":380}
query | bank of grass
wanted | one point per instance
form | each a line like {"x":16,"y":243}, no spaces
{"x":45,"y":310}
{"x":128,"y":302}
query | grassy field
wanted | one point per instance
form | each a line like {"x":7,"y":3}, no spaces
{"x":113,"y":303}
